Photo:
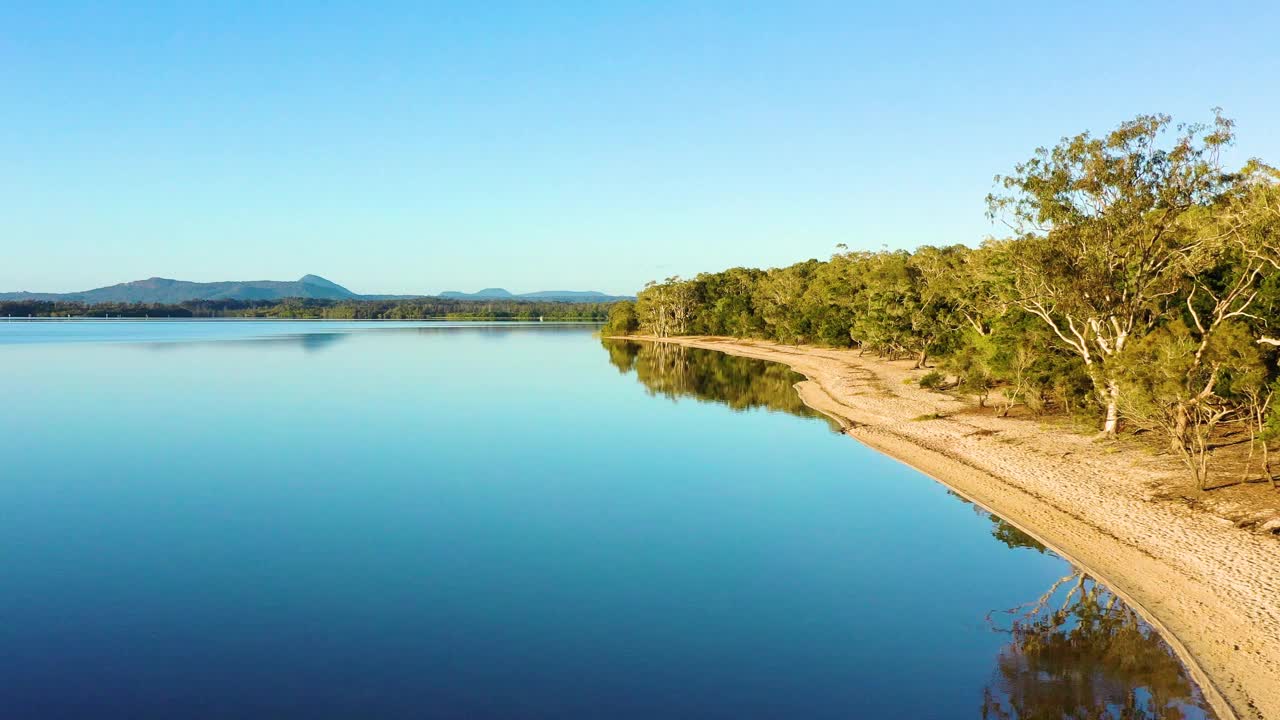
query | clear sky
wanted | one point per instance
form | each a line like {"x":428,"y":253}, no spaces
{"x":416,"y":147}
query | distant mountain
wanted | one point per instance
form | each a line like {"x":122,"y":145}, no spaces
{"x":166,"y":291}
{"x":485,"y":294}
{"x":545,"y":295}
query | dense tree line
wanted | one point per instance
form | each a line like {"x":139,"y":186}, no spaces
{"x":1139,"y":282}
{"x":415,"y":309}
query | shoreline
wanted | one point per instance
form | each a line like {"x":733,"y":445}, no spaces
{"x":1211,"y":589}
{"x":237,"y":318}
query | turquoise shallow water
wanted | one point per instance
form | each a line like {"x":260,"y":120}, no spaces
{"x":463,"y":521}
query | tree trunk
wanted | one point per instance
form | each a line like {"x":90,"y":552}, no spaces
{"x":1112,"y":423}
{"x":1179,"y":434}
{"x":1266,"y":465}
{"x":920,"y":360}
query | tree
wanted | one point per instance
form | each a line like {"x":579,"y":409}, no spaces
{"x":1101,"y":243}
{"x":728,"y":307}
{"x":829,"y":302}
{"x":1142,"y":283}
{"x":667,"y":308}
{"x":778,"y":298}
{"x":622,"y":319}
{"x":1185,"y":386}
{"x":950,"y":299}
{"x":889,"y":307}
{"x":1250,"y":224}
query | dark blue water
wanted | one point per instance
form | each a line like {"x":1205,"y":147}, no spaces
{"x":313,"y":520}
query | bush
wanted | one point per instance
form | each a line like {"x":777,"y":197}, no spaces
{"x":933,"y":380}
{"x":622,"y":319}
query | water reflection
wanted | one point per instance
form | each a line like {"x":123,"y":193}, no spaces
{"x":741,"y":383}
{"x":307,"y":342}
{"x":1079,"y":652}
{"x":302,"y":332}
{"x":1076,"y":652}
{"x":1004,"y":531}
{"x":504,"y":328}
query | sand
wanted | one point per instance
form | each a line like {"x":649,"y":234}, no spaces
{"x":1210,"y":587}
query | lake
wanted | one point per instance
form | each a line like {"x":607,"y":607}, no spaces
{"x":467,"y":520}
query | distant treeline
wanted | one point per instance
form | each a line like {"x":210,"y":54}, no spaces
{"x":416,"y":309}
{"x":1139,"y":283}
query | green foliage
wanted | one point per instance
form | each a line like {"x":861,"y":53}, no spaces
{"x":669,"y":308}
{"x":1108,"y":235}
{"x":1185,"y":384}
{"x":1141,"y":284}
{"x":1270,"y":426}
{"x":971,"y":361}
{"x":933,"y":380}
{"x":939,"y":303}
{"x":622,"y":319}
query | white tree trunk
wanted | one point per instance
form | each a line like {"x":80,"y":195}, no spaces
{"x":1112,"y":423}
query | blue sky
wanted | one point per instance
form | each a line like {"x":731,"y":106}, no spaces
{"x":417,"y":147}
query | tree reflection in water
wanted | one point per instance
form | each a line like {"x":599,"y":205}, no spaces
{"x":741,"y":383}
{"x":1079,"y":652}
{"x":1075,"y":653}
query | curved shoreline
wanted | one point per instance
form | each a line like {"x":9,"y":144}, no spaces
{"x":1212,"y":590}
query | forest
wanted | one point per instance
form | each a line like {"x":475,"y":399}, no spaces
{"x":1135,"y":283}
{"x":315,"y":309}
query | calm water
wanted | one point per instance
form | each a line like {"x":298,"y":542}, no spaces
{"x":314,"y":520}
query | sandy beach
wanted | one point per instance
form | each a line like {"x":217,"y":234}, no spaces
{"x":1212,"y":588}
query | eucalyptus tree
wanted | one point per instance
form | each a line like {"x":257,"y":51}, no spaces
{"x":907,"y":303}
{"x":886,"y":305}
{"x":831,"y":297}
{"x":950,"y":286}
{"x":778,"y":298}
{"x":959,"y":281}
{"x":1250,"y":225}
{"x":1185,"y":384}
{"x":667,"y":308}
{"x":1247,"y":284}
{"x":1100,"y":245}
{"x":728,"y":307}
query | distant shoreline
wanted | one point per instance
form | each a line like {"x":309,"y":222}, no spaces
{"x":1211,"y":589}
{"x":90,"y":318}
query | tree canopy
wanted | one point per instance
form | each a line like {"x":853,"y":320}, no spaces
{"x":1139,"y":282}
